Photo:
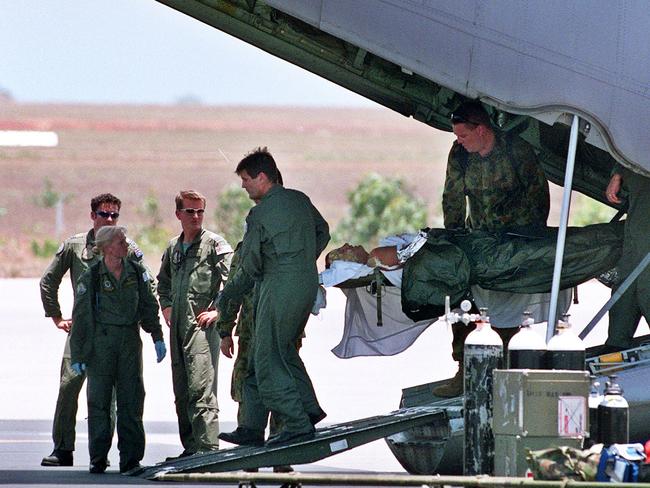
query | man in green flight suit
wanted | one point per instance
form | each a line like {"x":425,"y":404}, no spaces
{"x":242,"y":314}
{"x":75,"y":255}
{"x":503,"y":185}
{"x":285,"y":235}
{"x":194,"y":267}
{"x":624,"y":316}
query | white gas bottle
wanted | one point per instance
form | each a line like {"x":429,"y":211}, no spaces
{"x":565,"y":349}
{"x":527,"y":349}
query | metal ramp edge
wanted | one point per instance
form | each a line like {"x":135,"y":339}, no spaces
{"x":327,"y":442}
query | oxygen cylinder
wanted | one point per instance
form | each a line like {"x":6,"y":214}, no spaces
{"x":527,"y":349}
{"x":613,"y":418}
{"x":565,"y":349}
{"x":483,"y":353}
{"x":593,"y":401}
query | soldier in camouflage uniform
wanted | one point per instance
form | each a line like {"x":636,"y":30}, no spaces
{"x":504,"y":186}
{"x":284,"y":237}
{"x":193,"y":269}
{"x":626,"y":313}
{"x":241,"y":313}
{"x":499,"y":178}
{"x":113,"y":300}
{"x":75,"y":255}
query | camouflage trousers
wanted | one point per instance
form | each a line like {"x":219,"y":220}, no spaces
{"x":239,"y":372}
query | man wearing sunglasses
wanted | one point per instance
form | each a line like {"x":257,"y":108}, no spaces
{"x":75,"y":255}
{"x":499,"y":179}
{"x":194,"y":268}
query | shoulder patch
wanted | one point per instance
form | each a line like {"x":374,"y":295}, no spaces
{"x":81,"y":289}
{"x":222,"y":247}
{"x":133,"y":247}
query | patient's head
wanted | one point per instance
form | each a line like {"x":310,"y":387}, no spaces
{"x":347,"y":252}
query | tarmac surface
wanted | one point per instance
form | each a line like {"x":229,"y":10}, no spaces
{"x":30,"y":355}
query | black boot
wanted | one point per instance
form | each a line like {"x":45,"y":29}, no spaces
{"x":287,"y":437}
{"x":243,"y":436}
{"x":97,"y":467}
{"x":183,"y":454}
{"x":58,"y":458}
{"x":131,"y":469}
{"x":314,"y":418}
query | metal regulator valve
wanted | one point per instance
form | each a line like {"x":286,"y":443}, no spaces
{"x":459,"y":315}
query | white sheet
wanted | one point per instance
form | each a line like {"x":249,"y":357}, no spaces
{"x":362,"y":336}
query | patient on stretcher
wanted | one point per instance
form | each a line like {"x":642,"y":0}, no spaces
{"x":383,"y":257}
{"x":349,"y":263}
{"x":505,"y":273}
{"x":438,"y":263}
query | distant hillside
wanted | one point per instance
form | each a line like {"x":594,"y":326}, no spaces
{"x":136,"y":151}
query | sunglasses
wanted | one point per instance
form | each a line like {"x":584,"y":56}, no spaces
{"x":105,"y":215}
{"x":192,"y":211}
{"x":459,"y":119}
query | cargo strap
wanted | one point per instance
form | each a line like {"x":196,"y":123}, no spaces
{"x":375,"y":289}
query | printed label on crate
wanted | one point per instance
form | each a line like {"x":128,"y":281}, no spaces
{"x":571,"y":416}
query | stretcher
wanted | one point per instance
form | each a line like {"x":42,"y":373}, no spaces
{"x":507,"y":273}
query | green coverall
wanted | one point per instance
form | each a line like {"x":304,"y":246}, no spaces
{"x":76,"y":255}
{"x":107,"y":316}
{"x":243,"y":314}
{"x":624,"y":316}
{"x":188,"y":282}
{"x":285,"y":235}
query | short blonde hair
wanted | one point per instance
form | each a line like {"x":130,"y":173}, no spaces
{"x":188,"y":195}
{"x":105,"y":236}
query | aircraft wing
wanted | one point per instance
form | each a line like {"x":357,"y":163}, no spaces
{"x":532,"y":62}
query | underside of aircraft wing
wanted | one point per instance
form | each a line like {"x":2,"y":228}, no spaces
{"x":422,"y":59}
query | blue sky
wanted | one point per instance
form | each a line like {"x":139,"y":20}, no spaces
{"x":140,"y":51}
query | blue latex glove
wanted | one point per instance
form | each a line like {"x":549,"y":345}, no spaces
{"x":78,"y":368}
{"x":161,"y":350}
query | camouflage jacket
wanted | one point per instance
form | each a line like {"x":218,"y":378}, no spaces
{"x":563,"y":463}
{"x":506,"y":189}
